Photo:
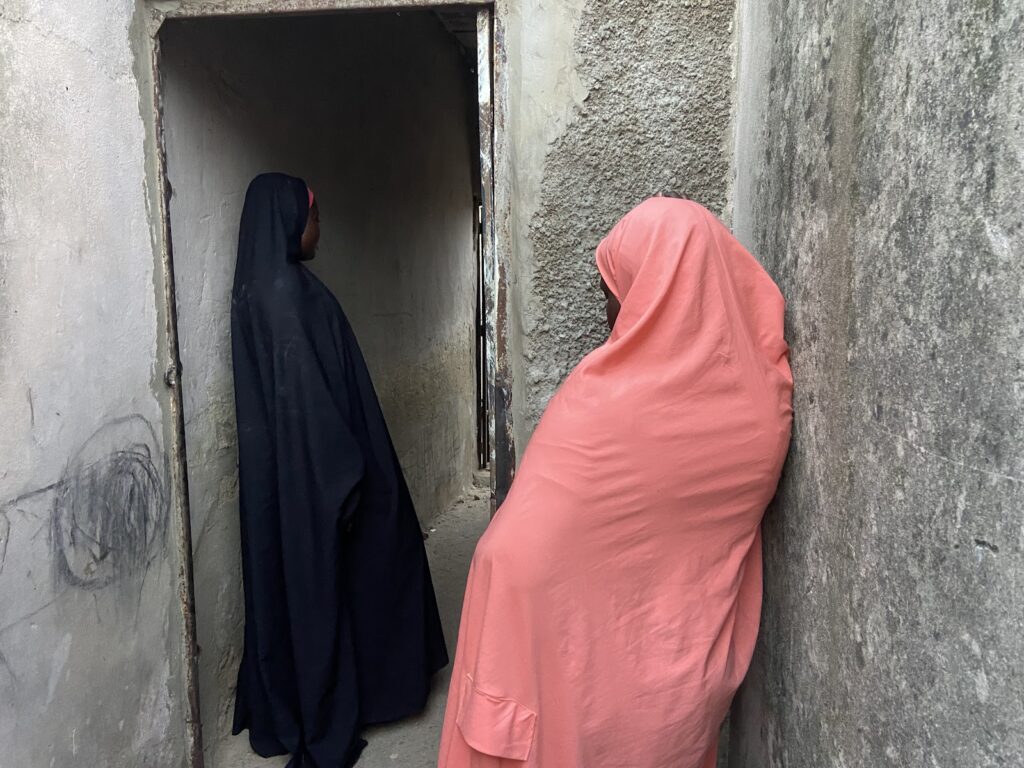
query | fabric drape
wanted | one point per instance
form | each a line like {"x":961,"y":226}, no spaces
{"x":613,"y":604}
{"x":341,"y":623}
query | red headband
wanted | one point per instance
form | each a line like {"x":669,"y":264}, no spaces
{"x":310,"y":191}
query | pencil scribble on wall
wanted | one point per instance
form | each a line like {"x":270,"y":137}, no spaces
{"x":102,"y":522}
{"x":110,"y":508}
{"x":96,"y":531}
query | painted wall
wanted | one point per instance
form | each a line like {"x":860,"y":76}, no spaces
{"x":374,"y":112}
{"x":90,"y":656}
{"x":879,"y":163}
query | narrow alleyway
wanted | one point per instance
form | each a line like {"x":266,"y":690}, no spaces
{"x":412,"y":743}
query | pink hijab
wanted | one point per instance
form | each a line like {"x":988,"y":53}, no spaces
{"x":613,"y":604}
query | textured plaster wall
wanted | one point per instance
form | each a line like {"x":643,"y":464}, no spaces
{"x":879,"y":164}
{"x":374,"y":112}
{"x":612,"y":101}
{"x":89,"y":618}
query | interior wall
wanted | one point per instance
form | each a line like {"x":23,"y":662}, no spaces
{"x":373,"y":111}
{"x":879,"y":163}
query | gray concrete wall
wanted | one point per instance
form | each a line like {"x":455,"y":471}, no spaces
{"x":90,"y":655}
{"x":611,"y":102}
{"x":879,"y":164}
{"x":374,"y":112}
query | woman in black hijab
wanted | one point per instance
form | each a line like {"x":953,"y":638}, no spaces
{"x":341,"y":623}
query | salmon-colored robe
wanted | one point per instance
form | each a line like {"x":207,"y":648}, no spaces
{"x":613,"y":604}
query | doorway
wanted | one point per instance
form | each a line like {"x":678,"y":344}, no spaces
{"x":384,"y":115}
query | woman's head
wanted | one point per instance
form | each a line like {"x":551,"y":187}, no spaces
{"x":675,"y":277}
{"x":619,"y":260}
{"x":620,"y":256}
{"x":641,"y":258}
{"x":275,"y":217}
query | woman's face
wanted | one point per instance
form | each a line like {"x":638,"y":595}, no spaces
{"x":612,"y":305}
{"x":311,"y":234}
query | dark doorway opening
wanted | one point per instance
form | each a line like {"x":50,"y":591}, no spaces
{"x":378,"y":111}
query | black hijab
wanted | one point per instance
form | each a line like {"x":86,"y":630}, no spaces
{"x":341,"y":627}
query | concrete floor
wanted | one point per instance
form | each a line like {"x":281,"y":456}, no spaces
{"x":411,"y":743}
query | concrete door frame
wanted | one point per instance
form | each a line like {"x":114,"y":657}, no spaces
{"x":492,"y":72}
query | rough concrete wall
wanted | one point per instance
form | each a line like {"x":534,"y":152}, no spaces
{"x":372,"y":110}
{"x":89,"y":620}
{"x":878,"y":175}
{"x":614,"y":100}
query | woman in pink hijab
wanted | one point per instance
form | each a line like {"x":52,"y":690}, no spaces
{"x":613,"y":604}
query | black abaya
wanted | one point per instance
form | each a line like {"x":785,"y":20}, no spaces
{"x":341,"y":623}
